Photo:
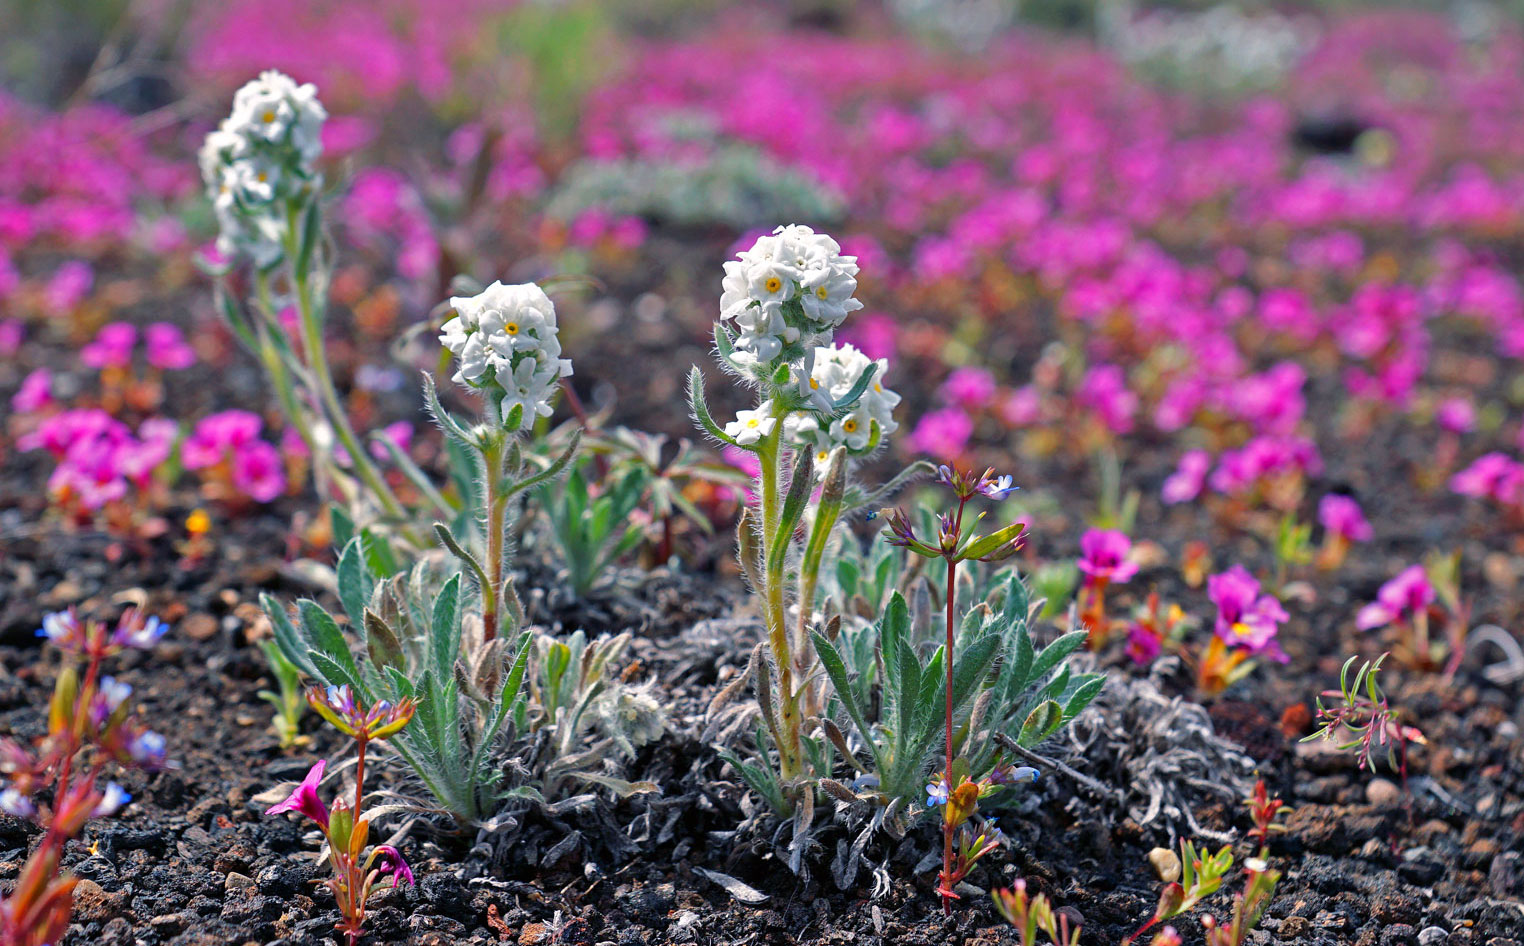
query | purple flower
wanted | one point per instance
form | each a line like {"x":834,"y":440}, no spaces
{"x":138,"y":630}
{"x":305,"y":800}
{"x":147,"y":750}
{"x":258,"y":471}
{"x":112,"y":347}
{"x":937,"y":792}
{"x":1103,"y":556}
{"x":1405,"y":596}
{"x":1457,"y":415}
{"x":1342,"y":517}
{"x":969,"y":388}
{"x":943,"y":434}
{"x":1246,"y":618}
{"x":35,"y":393}
{"x":16,"y":804}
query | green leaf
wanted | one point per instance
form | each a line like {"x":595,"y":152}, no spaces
{"x":291,"y":644}
{"x":354,"y":582}
{"x":333,"y":673}
{"x":700,"y":409}
{"x":311,"y":237}
{"x":1088,"y":688}
{"x":1055,"y":652}
{"x":379,"y":557}
{"x":381,"y":642}
{"x":444,"y":628}
{"x":988,"y":544}
{"x":453,"y":428}
{"x":341,"y":524}
{"x":836,"y":670}
{"x":1041,"y":723}
{"x":847,"y":401}
{"x":323,"y":636}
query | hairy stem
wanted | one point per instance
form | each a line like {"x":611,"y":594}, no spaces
{"x":789,"y":750}
{"x":495,"y":524}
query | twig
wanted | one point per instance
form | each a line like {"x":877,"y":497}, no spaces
{"x":1096,"y":787}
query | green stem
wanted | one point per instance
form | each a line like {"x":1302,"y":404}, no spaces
{"x":317,"y":362}
{"x":789,"y":751}
{"x":495,"y":525}
{"x":947,"y":826}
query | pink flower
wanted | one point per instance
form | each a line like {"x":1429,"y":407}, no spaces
{"x":874,"y":334}
{"x":1246,"y":618}
{"x":1104,"y":392}
{"x":69,"y":286}
{"x":1185,"y":483}
{"x":1341,"y":516}
{"x":257,"y":471}
{"x":167,"y":348}
{"x":304,"y":800}
{"x":1457,"y":415}
{"x":217,"y":435}
{"x":112,"y":347}
{"x":400,"y":433}
{"x":11,"y":334}
{"x":1403,"y":597}
{"x":1103,"y":556}
{"x":1493,"y":476}
{"x":35,"y":393}
{"x":943,"y":434}
{"x":1143,"y":645}
{"x":1021,"y":407}
{"x":969,"y":388}
{"x":389,"y":861}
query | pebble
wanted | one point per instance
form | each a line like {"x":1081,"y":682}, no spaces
{"x":1166,"y":864}
{"x":236,"y":880}
{"x":1398,"y":934}
{"x":1432,"y":936}
{"x":199,"y":627}
{"x":1380,"y":791}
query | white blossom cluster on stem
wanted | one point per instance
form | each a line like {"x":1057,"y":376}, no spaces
{"x":785,"y":296}
{"x":259,"y":160}
{"x":507,"y":345}
{"x":835,"y":372}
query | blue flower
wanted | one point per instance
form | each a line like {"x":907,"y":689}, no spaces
{"x":937,"y":792}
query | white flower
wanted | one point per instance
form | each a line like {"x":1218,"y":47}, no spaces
{"x":16,"y":804}
{"x":751,"y":426}
{"x":833,"y":375}
{"x":261,"y":156}
{"x":114,"y":692}
{"x":506,"y":337}
{"x":786,"y":295}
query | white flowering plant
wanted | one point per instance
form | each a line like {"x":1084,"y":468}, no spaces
{"x":819,"y":408}
{"x":261,"y":172}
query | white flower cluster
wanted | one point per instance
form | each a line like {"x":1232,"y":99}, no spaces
{"x":262,"y":155}
{"x":835,"y":372}
{"x":786,"y":295}
{"x":506,"y":337}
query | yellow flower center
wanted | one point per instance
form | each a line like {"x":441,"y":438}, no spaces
{"x":814,"y":385}
{"x":822,"y":455}
{"x":773,"y":284}
{"x":753,"y":422}
{"x":1240,"y":629}
{"x":268,"y":117}
{"x":878,"y":387}
{"x":198,"y":522}
{"x":849,"y":425}
{"x":262,"y":177}
{"x":822,"y":293}
{"x":512,"y":328}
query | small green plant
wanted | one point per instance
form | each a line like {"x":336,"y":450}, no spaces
{"x":289,"y":701}
{"x":593,"y":527}
{"x":1201,"y":875}
{"x":1029,"y":915}
{"x":1359,"y":714}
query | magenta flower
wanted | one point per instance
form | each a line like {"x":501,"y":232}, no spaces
{"x":969,"y":388}
{"x":1341,"y":516}
{"x":1143,"y":645}
{"x":389,"y":862}
{"x":1457,"y":415}
{"x":217,"y":435}
{"x":1103,"y":557}
{"x":1104,"y":393}
{"x":166,"y":346}
{"x":943,"y":434}
{"x":400,"y":434}
{"x":1493,"y":476}
{"x":112,"y":347}
{"x":1246,"y":618}
{"x":304,"y":799}
{"x":1185,"y":483}
{"x":258,"y":471}
{"x":1403,"y":597}
{"x":35,"y":393}
{"x":69,"y":286}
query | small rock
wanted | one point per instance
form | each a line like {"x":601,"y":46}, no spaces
{"x":1379,"y":791}
{"x":1166,"y":864}
{"x":236,"y":880}
{"x":199,"y":626}
{"x":91,"y":903}
{"x":534,"y":934}
{"x":1432,"y":936}
{"x":1399,"y":934}
{"x":1294,"y":928}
